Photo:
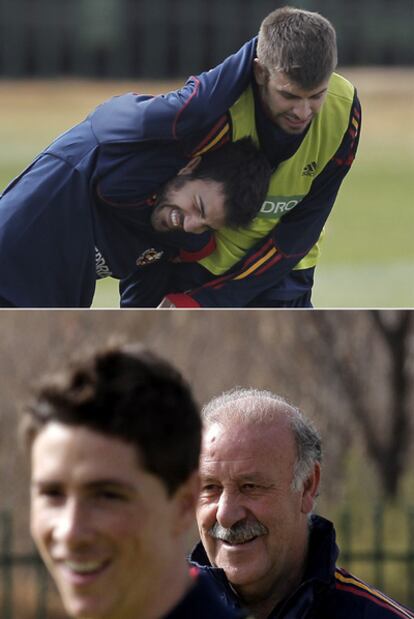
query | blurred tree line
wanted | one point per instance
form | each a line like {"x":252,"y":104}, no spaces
{"x":352,"y":372}
{"x":174,"y":38}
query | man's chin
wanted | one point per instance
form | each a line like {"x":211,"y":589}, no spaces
{"x":158,"y":224}
{"x":239,"y":576}
{"x":294,"y":127}
{"x":238,"y":559}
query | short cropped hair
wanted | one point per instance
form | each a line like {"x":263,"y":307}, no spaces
{"x":128,"y":393}
{"x":245,"y":174}
{"x":246,"y":406}
{"x":301,"y":44}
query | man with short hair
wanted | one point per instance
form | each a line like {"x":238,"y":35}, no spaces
{"x":306,"y":119}
{"x":260,"y":470}
{"x":114,"y":442}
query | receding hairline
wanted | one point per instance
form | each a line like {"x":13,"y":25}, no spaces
{"x":249,"y":405}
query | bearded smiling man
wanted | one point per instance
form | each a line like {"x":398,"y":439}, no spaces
{"x":260,"y":471}
{"x":193,"y":206}
{"x":92,"y":204}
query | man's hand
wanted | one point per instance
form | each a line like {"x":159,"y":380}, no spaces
{"x":166,"y":303}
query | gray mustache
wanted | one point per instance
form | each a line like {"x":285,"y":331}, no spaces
{"x":238,"y":533}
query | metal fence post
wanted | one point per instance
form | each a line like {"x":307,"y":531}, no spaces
{"x":42,"y":588}
{"x":346,"y":531}
{"x":6,"y":565}
{"x":410,"y":557}
{"x":378,"y":554}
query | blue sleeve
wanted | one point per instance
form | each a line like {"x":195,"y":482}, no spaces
{"x":265,"y":265}
{"x":179,"y":113}
{"x":46,"y":238}
{"x":146,"y":286}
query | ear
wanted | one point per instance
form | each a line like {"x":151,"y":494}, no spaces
{"x":185,"y":499}
{"x":310,"y":489}
{"x":190,"y":167}
{"x":260,"y":72}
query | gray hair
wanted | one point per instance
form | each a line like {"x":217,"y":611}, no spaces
{"x":258,"y":406}
{"x":300,"y":43}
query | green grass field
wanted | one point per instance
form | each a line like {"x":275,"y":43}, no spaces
{"x":368,"y":252}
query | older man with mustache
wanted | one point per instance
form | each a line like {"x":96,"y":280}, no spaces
{"x":260,"y":472}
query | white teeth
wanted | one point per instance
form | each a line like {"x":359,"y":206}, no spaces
{"x":175,"y":218}
{"x":83,"y":567}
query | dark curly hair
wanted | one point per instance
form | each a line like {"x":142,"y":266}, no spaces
{"x":129,"y":393}
{"x":245,"y":173}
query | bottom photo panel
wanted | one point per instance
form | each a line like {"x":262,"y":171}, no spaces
{"x":216,"y":464}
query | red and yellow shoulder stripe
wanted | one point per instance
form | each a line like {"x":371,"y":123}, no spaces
{"x":346,"y":582}
{"x":217,"y":136}
{"x":353,"y":130}
{"x":256,"y":264}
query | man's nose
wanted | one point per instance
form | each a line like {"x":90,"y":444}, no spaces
{"x":193,"y":223}
{"x":230,"y":509}
{"x":302,"y":109}
{"x":72,"y":525}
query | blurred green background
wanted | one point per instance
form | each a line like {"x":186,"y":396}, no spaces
{"x":368,"y":251}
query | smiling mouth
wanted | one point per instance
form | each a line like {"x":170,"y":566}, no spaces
{"x":175,"y":219}
{"x":84,"y":567}
{"x":83,"y":572}
{"x":297,"y":121}
{"x":239,"y":543}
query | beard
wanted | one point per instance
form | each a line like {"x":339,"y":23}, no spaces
{"x":164,"y":202}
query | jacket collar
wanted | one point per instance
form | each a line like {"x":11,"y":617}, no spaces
{"x":319,"y":571}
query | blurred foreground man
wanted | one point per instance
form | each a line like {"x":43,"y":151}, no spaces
{"x":115,"y":446}
{"x":260,"y":471}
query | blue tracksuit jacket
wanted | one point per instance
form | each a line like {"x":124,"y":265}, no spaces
{"x":203,"y":602}
{"x":326,"y":592}
{"x":81,"y":210}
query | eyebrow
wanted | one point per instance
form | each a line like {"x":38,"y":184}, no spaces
{"x":91,"y":485}
{"x":290,"y":94}
{"x":202,"y":206}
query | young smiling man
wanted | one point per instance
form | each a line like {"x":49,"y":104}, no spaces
{"x":260,"y":470}
{"x":114,"y":442}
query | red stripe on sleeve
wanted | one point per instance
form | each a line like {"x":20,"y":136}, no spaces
{"x":373,"y":598}
{"x":194,"y":256}
{"x":182,"y":300}
{"x":215,"y":130}
{"x":181,"y":110}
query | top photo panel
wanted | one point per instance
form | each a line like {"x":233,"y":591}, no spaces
{"x":206,"y":154}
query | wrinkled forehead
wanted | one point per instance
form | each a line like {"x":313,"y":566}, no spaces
{"x":269,"y":443}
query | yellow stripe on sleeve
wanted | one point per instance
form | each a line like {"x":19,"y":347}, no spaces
{"x":218,"y":137}
{"x":257,"y":264}
{"x":373,"y":592}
